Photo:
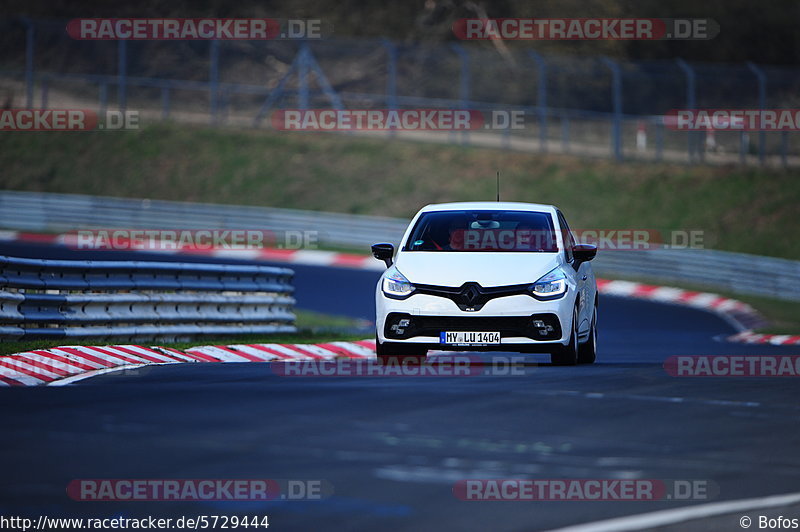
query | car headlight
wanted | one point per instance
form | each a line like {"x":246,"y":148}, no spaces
{"x":395,"y":284}
{"x":550,"y":286}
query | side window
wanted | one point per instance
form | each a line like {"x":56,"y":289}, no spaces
{"x":569,"y":241}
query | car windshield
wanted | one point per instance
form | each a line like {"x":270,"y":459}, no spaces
{"x":483,"y":230}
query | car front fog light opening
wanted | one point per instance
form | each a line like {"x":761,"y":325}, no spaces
{"x":398,"y":326}
{"x":544,"y":329}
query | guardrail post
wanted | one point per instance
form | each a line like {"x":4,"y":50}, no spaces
{"x":463,"y":86}
{"x":691,"y":99}
{"x":213,"y":76}
{"x":541,"y":98}
{"x":122,"y":74}
{"x":762,"y":104}
{"x":29,"y":43}
{"x":616,"y":85}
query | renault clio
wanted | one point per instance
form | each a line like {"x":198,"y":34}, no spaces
{"x":487,"y":276}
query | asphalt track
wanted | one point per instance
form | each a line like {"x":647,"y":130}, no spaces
{"x":393,"y":447}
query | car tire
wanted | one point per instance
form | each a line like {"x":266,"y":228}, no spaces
{"x":399,"y":354}
{"x":567,"y":355}
{"x":587,"y":351}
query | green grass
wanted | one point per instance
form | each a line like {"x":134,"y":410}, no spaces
{"x":740,"y":209}
{"x":318,"y":321}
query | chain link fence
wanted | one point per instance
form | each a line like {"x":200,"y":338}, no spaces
{"x":585,"y":105}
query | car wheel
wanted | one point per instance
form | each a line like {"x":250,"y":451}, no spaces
{"x":399,"y":354}
{"x":567,"y":355}
{"x":587,"y":351}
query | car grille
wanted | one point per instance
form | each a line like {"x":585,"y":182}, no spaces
{"x":471,"y":296}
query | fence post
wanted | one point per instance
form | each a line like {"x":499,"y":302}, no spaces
{"x":762,"y":104}
{"x":122,"y":74}
{"x":302,"y":78}
{"x":784,"y":148}
{"x":29,"y":42}
{"x":103,"y":98}
{"x":464,"y":81}
{"x":213,"y":76}
{"x":691,"y":102}
{"x":744,"y":147}
{"x":616,"y":82}
{"x":391,"y":78}
{"x":45,"y":91}
{"x":164,"y":102}
{"x":660,"y":139}
{"x":541,"y":99}
{"x":391,"y":73}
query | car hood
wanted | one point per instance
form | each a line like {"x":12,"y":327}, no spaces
{"x":485,"y":268}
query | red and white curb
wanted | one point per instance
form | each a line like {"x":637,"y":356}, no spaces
{"x":741,"y":315}
{"x":64,"y":365}
{"x":749,"y":337}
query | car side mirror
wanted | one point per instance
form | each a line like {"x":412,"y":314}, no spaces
{"x":583,"y":253}
{"x":384,"y":252}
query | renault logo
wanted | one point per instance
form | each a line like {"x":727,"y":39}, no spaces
{"x":470,"y":295}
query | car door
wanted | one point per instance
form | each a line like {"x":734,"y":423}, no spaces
{"x":582,"y":275}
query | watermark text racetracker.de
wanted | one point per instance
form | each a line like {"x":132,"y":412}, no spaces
{"x":733,"y":119}
{"x":439,"y":366}
{"x":67,"y":120}
{"x":523,"y":239}
{"x":733,"y":366}
{"x":396,"y":119}
{"x":193,"y":29}
{"x":597,"y":489}
{"x":208,"y":489}
{"x":190,"y":239}
{"x":585,"y":29}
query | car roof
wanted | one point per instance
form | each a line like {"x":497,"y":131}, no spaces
{"x":489,"y":206}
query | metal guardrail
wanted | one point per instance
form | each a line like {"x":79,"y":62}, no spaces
{"x":42,"y":298}
{"x":43,"y":212}
{"x":738,"y":273}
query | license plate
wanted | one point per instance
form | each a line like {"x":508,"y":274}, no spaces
{"x":469,"y":338}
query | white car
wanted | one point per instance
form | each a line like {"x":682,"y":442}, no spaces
{"x":487,"y":276}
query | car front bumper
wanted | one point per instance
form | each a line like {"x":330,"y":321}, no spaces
{"x":518,"y":318}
